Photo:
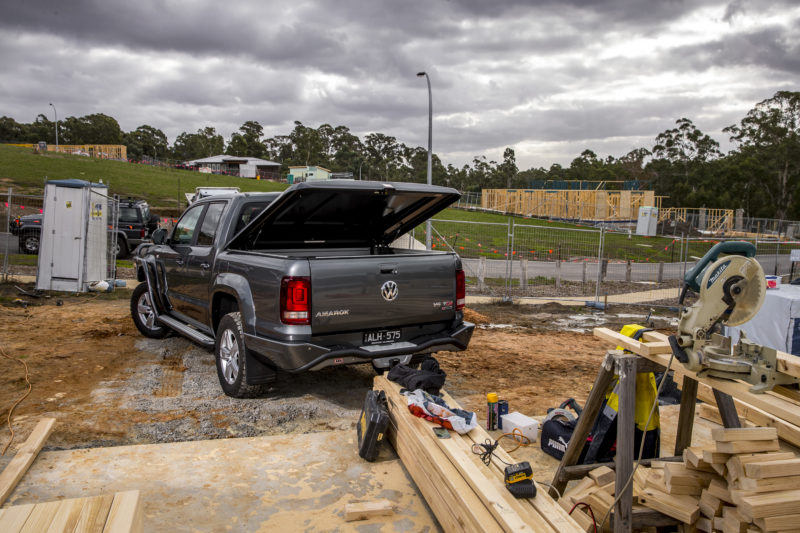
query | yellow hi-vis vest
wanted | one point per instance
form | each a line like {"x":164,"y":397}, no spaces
{"x":646,"y":390}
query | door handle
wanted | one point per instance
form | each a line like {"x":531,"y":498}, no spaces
{"x":179,"y":261}
{"x":205,"y":266}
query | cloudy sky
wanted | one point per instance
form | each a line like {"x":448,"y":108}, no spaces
{"x":549,"y":78}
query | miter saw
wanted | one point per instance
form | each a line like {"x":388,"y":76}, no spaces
{"x":730,"y":284}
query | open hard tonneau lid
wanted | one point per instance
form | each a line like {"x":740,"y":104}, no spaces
{"x":342,"y":214}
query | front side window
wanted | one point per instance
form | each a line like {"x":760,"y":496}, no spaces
{"x":210,"y":222}
{"x":184,"y":230}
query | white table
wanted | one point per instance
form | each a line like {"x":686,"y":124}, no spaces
{"x":777,"y":323}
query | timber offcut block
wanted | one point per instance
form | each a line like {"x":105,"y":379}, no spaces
{"x":603,"y":475}
{"x":744,"y":434}
{"x":748,"y":446}
{"x":367,"y":510}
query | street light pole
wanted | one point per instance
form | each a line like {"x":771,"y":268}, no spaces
{"x":56,"y":114}
{"x":430,"y":145}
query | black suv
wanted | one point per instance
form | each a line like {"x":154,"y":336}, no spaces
{"x":134,"y":225}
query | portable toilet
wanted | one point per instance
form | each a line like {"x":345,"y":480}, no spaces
{"x":73,"y":250}
{"x":647,"y":222}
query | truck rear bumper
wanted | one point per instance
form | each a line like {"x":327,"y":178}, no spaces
{"x":298,"y":357}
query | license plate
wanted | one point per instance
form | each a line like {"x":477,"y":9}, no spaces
{"x":384,"y":336}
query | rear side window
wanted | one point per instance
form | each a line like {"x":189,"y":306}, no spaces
{"x":128,"y":214}
{"x":208,"y":229}
{"x":248,"y":213}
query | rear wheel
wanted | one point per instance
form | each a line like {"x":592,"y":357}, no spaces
{"x":29,"y":243}
{"x":231,"y":356}
{"x":121,"y":249}
{"x":144,"y":315}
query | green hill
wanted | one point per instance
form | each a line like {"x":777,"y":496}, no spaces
{"x":26,"y":172}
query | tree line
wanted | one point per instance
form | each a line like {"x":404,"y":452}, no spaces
{"x":760,"y":174}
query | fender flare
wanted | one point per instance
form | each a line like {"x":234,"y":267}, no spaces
{"x":237,"y":286}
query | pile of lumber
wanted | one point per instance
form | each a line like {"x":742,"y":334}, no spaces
{"x":464,"y":493}
{"x":744,"y":483}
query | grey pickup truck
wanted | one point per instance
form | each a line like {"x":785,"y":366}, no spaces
{"x":302,"y":280}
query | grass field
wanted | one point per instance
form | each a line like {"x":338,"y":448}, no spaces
{"x":26,"y":173}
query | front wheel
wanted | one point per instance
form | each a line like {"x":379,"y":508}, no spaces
{"x":144,"y":315}
{"x":29,"y":243}
{"x":231,"y":356}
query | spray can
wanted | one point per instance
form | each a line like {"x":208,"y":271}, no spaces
{"x":502,"y":409}
{"x":491,"y":411}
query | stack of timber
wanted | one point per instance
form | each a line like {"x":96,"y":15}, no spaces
{"x":108,"y":513}
{"x":464,"y":493}
{"x":744,"y":483}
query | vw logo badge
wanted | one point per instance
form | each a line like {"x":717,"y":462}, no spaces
{"x":389,"y":291}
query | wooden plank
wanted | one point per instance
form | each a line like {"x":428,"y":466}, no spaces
{"x":772,"y":404}
{"x":787,"y":363}
{"x":367,"y":510}
{"x":736,"y":463}
{"x":13,"y":518}
{"x":456,"y":507}
{"x":769,"y":484}
{"x":24,"y":457}
{"x":778,"y":523}
{"x":125,"y":515}
{"x":583,"y":519}
{"x":704,"y":524}
{"x":748,"y":446}
{"x":789,"y":467}
{"x":710,"y":505}
{"x":581,"y":471}
{"x":638,"y":347}
{"x":715,"y":457}
{"x":41,"y":517}
{"x":770,"y":504}
{"x":94,"y":513}
{"x":719,"y":489}
{"x":683,"y":508}
{"x":786,"y":431}
{"x":66,"y":517}
{"x":743,"y":434}
{"x":543,"y":504}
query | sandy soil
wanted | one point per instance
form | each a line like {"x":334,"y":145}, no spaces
{"x":108,"y":385}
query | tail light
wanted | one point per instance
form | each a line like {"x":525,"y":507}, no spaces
{"x":141,"y":234}
{"x":461,"y":290}
{"x":296,"y":300}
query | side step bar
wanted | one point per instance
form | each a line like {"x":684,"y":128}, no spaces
{"x":198,"y":337}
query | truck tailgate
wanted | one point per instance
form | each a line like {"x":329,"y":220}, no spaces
{"x":376,"y":292}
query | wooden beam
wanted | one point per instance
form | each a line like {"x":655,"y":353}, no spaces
{"x":13,"y":518}
{"x":773,"y":404}
{"x":743,"y":434}
{"x":24,"y":457}
{"x":626,"y":366}
{"x":637,"y":347}
{"x":367,"y":510}
{"x":580,"y":471}
{"x":604,"y":378}
{"x":686,"y":415}
{"x":125,"y":515}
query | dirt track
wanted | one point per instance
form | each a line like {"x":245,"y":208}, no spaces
{"x":108,"y":385}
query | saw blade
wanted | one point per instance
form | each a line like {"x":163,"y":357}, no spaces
{"x":747,"y":294}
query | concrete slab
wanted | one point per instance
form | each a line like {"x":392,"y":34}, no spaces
{"x":289,"y":483}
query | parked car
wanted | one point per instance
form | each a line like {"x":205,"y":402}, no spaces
{"x":134,"y":225}
{"x":302,"y":280}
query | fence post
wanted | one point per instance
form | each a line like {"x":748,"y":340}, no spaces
{"x":481,"y":274}
{"x":558,"y":273}
{"x":523,"y":274}
{"x":777,"y":251}
{"x":8,"y":239}
{"x":628,"y":271}
{"x":599,"y":264}
{"x":583,"y":272}
{"x":660,"y":275}
{"x":509,"y":254}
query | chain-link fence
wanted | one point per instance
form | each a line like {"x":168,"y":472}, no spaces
{"x":21,"y":223}
{"x":553,"y":262}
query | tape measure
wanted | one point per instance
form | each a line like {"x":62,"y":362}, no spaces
{"x":519,"y":480}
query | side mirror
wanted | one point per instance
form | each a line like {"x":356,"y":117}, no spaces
{"x":160,"y":236}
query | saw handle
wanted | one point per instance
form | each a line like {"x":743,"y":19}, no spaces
{"x":695,"y":275}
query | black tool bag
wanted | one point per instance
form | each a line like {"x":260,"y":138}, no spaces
{"x":429,"y":377}
{"x":372,"y":425}
{"x":556,"y":433}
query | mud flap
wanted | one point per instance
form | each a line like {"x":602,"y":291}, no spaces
{"x":259,"y":372}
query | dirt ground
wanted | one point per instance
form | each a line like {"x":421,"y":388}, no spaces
{"x":107,"y":385}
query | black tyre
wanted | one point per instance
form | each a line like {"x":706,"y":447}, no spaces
{"x":121,"y":251}
{"x":29,"y":243}
{"x":142,"y":311}
{"x":231,"y":356}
